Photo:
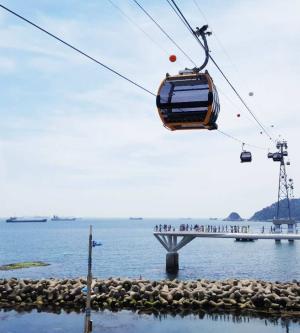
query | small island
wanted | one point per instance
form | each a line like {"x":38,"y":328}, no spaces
{"x":20,"y":265}
{"x":233,"y":217}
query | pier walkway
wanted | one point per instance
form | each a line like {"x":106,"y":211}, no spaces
{"x":173,"y":241}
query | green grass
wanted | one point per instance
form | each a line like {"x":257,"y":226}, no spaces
{"x":20,"y":265}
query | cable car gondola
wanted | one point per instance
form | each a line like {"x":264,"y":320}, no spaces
{"x":245,"y":156}
{"x":189,"y":100}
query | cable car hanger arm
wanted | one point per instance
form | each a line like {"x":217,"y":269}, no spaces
{"x":202,"y":33}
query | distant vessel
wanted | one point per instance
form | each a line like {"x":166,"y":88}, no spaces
{"x":135,"y":218}
{"x":25,"y":219}
{"x":57,"y":218}
{"x":213,"y":218}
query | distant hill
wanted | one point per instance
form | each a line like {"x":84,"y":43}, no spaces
{"x":233,"y":217}
{"x":268,"y":213}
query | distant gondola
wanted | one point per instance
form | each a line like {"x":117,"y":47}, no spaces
{"x":189,"y":100}
{"x":246,"y":156}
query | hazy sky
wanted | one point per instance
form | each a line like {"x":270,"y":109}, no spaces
{"x":77,"y":140}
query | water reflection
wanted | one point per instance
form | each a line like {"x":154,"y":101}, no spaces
{"x":233,"y":318}
{"x":98,"y":316}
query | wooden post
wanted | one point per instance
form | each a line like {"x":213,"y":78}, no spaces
{"x":88,"y":321}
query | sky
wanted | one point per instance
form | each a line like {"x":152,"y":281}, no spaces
{"x":77,"y":140}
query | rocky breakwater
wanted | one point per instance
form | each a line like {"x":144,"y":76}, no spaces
{"x":145,"y":295}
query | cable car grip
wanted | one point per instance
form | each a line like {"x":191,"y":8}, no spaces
{"x":203,"y":33}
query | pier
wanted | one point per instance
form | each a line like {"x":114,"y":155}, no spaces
{"x":173,"y":241}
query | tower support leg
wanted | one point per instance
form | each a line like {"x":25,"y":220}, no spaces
{"x":172,"y":262}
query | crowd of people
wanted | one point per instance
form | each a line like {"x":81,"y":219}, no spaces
{"x":164,"y":227}
{"x":214,"y":228}
{"x":211,"y":228}
{"x":203,"y":228}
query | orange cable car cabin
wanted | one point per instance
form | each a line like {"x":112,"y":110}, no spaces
{"x":188,"y":101}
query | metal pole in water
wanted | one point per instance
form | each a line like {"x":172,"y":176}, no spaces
{"x":88,"y":321}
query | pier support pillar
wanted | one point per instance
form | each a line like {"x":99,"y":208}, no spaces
{"x":172,"y":262}
{"x":291,"y":230}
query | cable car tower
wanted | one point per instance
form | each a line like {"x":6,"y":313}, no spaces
{"x":285,"y":190}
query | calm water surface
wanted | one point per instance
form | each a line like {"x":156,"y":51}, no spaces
{"x":124,"y":321}
{"x":130,"y":249}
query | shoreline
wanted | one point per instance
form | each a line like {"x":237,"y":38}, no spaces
{"x":249,"y":297}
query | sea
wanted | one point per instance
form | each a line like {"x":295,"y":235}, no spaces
{"x":129,"y":249}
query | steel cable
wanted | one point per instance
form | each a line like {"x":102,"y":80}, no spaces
{"x":79,"y":51}
{"x":164,"y":32}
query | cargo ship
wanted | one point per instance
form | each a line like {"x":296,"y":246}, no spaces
{"x":25,"y":219}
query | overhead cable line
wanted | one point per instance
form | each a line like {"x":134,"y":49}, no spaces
{"x":101,"y":64}
{"x":215,"y":35}
{"x":164,"y":32}
{"x":188,"y":26}
{"x":241,"y":141}
{"x":221,"y":46}
{"x":237,"y":107}
{"x":176,"y":12}
{"x":133,"y":22}
{"x":79,"y":51}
